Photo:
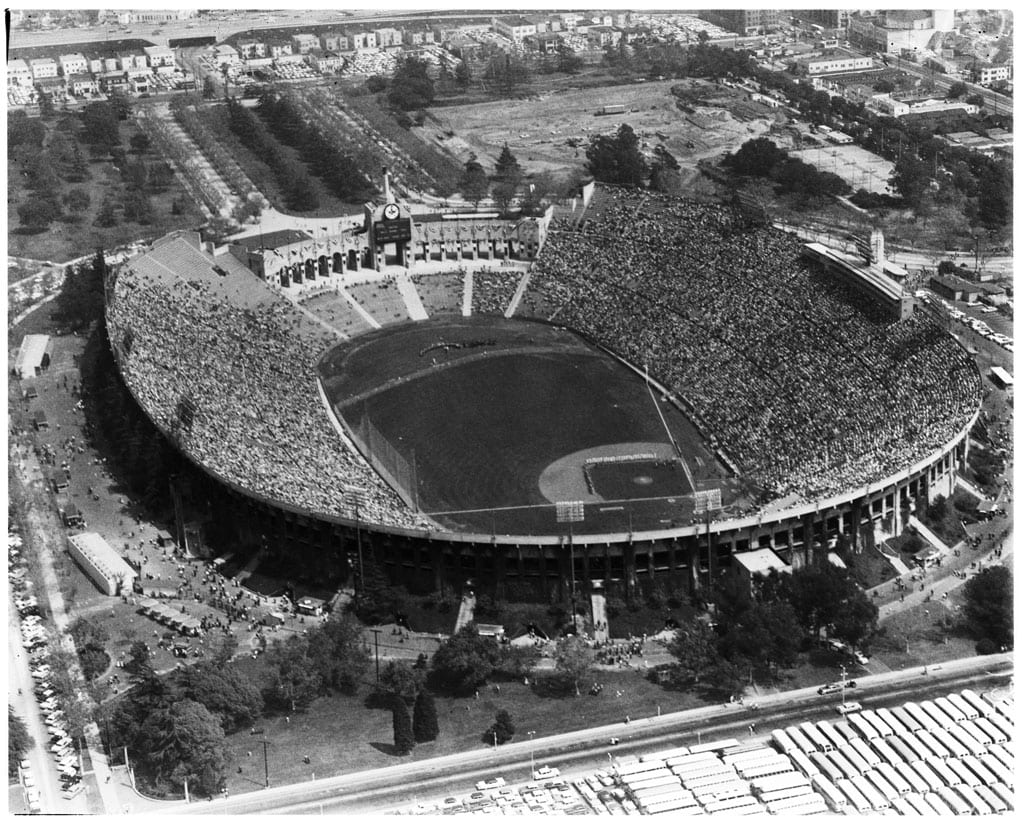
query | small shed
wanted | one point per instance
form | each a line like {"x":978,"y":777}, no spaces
{"x":39,"y":420}
{"x":311,"y":606}
{"x":71,"y":515}
{"x":163,"y":538}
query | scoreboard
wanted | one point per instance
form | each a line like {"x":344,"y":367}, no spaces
{"x":392,"y":231}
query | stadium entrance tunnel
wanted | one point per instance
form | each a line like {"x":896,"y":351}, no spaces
{"x":491,"y":425}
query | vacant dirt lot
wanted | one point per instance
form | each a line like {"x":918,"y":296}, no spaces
{"x":537,"y":129}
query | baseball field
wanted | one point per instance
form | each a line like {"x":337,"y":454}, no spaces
{"x":490,"y":423}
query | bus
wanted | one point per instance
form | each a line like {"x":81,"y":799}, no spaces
{"x":924,"y":720}
{"x":899,"y":746}
{"x":952,"y":710}
{"x":730,"y":804}
{"x":846,"y":730}
{"x":932,"y":743}
{"x":877,"y":781}
{"x":714,"y":746}
{"x":658,"y":793}
{"x":885,"y":752}
{"x":976,"y":732}
{"x":779,"y":782}
{"x":801,"y":740}
{"x":963,"y":774}
{"x":877,"y":801}
{"x":686,"y":760}
{"x":943,"y":720}
{"x":638,"y":768}
{"x":679,"y":806}
{"x":901,"y":806}
{"x":766,"y":768}
{"x":905,"y":718}
{"x":991,"y":730}
{"x":898,"y":782}
{"x":968,"y":710}
{"x":920,"y":806}
{"x":665,"y":755}
{"x":951,"y":798}
{"x":938,"y":766}
{"x":973,"y":745}
{"x":827,"y":768}
{"x":1005,"y":709}
{"x":754,"y":754}
{"x":911,"y":777}
{"x":804,"y":764}
{"x":913,"y":743}
{"x":983,"y":707}
{"x":927,"y":775}
{"x":934,"y":800}
{"x":855,"y":759}
{"x":990,"y":798}
{"x":1001,"y":754}
{"x":781,"y":795}
{"x":1003,"y":793}
{"x":834,"y":737}
{"x":820,"y":742}
{"x":865,"y":729}
{"x":854,"y":796}
{"x":799,"y":805}
{"x":700,"y":784}
{"x":782,"y":741}
{"x":995,"y":767}
{"x":951,"y":743}
{"x":658,"y":781}
{"x":694,"y":772}
{"x":889,"y":717}
{"x":828,"y":791}
{"x":720,"y":792}
{"x":843,"y":763}
{"x":876,"y":721}
{"x":865,"y":751}
{"x":1001,"y":723}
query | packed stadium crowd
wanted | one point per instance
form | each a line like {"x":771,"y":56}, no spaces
{"x":250,"y":382}
{"x":493,"y":289}
{"x":802,"y":382}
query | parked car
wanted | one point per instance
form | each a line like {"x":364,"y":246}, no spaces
{"x":490,"y":783}
{"x":545,"y":772}
{"x":848,"y":707}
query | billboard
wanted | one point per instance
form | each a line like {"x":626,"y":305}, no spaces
{"x":392,"y":231}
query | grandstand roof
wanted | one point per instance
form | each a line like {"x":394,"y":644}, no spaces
{"x":273,"y":240}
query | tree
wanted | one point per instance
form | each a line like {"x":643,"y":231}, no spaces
{"x":36,"y":214}
{"x":989,"y":606}
{"x":294,"y":683}
{"x":756,"y":158}
{"x":507,"y":166}
{"x":231,"y":696}
{"x":23,"y":130}
{"x":574,"y":660}
{"x":995,"y":197}
{"x":411,"y":87}
{"x":184,"y":742}
{"x":501,"y":730}
{"x":474,"y":184}
{"x":209,"y":88}
{"x":138,"y":663}
{"x":817,"y":594}
{"x":19,"y":742}
{"x":518,"y":662}
{"x":617,"y":159}
{"x":424,"y":718}
{"x":856,"y":620}
{"x":696,"y":649}
{"x":77,"y":200}
{"x":956,"y":90}
{"x":402,"y":726}
{"x":568,"y":61}
{"x":504,"y":192}
{"x":910,"y":178}
{"x":465,"y":661}
{"x":336,"y":651}
{"x":399,"y":680}
{"x":139,"y":143}
{"x":462,"y":75}
{"x":665,"y":176}
{"x":100,"y":125}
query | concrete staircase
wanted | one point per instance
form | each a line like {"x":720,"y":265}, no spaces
{"x":466,"y":610}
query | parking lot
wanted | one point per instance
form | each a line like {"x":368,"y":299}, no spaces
{"x":948,"y":755}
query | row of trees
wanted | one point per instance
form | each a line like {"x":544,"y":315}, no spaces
{"x":617,"y":159}
{"x":298,"y":190}
{"x":318,"y":151}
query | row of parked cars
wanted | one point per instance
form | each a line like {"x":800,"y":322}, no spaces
{"x":35,"y":640}
{"x":981,"y":327}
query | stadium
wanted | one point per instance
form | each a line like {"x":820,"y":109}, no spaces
{"x":628,"y":389}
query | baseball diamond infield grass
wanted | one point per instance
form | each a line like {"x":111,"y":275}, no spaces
{"x":493,"y":422}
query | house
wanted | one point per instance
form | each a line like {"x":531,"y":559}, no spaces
{"x":42,"y":67}
{"x":362,"y":40}
{"x":986,"y":75}
{"x":159,"y":57}
{"x":304,"y":43}
{"x":832,"y":62}
{"x":19,"y":73}
{"x":954,"y":288}
{"x":73,"y":64}
{"x":280,"y":50}
{"x":252,"y":49}
{"x":326,"y":63}
{"x":334,"y":41}
{"x":80,"y":85}
{"x":418,"y":38}
{"x":514,"y":27}
{"x":386,"y":38}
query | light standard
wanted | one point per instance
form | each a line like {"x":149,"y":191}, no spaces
{"x":842,"y":676}
{"x":355,"y":497}
{"x":531,"y":733}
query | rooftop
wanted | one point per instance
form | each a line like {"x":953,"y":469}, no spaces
{"x":761,"y":560}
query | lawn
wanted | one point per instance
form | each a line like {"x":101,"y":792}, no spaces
{"x":340,"y":735}
{"x":923,"y":635}
{"x":870,"y":567}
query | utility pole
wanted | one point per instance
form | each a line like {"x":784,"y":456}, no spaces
{"x":531,"y":733}
{"x":376,"y":650}
{"x":266,"y":765}
{"x":842,"y":676}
